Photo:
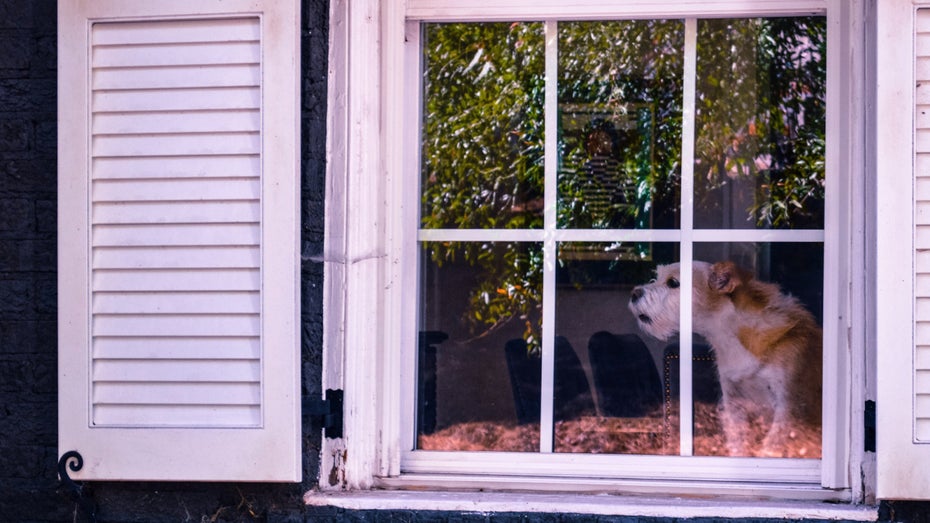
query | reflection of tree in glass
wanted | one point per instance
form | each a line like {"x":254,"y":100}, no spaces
{"x":761,"y":118}
{"x":483,"y":126}
{"x":483,"y":159}
{"x":761,"y":107}
{"x":623,"y":78}
{"x":506,"y":289}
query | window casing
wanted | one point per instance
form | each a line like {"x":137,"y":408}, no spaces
{"x":392,"y":463}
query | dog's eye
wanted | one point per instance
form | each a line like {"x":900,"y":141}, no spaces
{"x":672,"y":283}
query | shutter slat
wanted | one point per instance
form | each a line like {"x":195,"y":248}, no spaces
{"x":187,"y":99}
{"x":176,"y":212}
{"x":186,"y":302}
{"x":176,"y":145}
{"x":177,"y":371}
{"x":233,"y":166}
{"x":922,"y":284}
{"x":174,"y":54}
{"x":167,"y":235}
{"x":922,"y":70}
{"x":176,"y":257}
{"x":177,"y":280}
{"x":922,"y":241}
{"x":245,"y":120}
{"x":176,"y":325}
{"x":922,"y":138}
{"x":201,"y":348}
{"x":922,"y":187}
{"x":207,"y":416}
{"x":922,"y":41}
{"x":158,"y":393}
{"x":176,"y":31}
{"x":178,"y":77}
{"x":177,"y":190}
{"x":922,"y":310}
{"x":922,"y":383}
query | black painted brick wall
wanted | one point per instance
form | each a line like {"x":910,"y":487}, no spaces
{"x":28,"y":373}
{"x":28,"y":437}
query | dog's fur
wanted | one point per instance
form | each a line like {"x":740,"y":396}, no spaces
{"x":768,"y":347}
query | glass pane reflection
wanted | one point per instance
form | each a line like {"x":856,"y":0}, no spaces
{"x":482,"y":143}
{"x":761,"y":109}
{"x":479,"y":369}
{"x":776,"y":292}
{"x":620,"y":95}
{"x":599,"y":343}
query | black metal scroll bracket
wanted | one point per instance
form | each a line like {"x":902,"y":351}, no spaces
{"x":74,"y":491}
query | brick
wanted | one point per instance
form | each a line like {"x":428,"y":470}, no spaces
{"x":45,"y":304}
{"x":16,"y":335}
{"x":17,"y":48}
{"x":31,"y":376}
{"x":27,"y":255}
{"x":29,"y":95}
{"x":28,"y":175}
{"x":18,"y":215}
{"x":14,"y":134}
{"x":46,"y":213}
{"x":45,"y":17}
{"x":16,"y":296}
{"x":44,"y":62}
{"x":46,"y":137}
{"x":16,"y":15}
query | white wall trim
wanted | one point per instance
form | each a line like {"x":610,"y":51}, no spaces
{"x":601,"y":505}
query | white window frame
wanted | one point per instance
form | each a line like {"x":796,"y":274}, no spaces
{"x":371,"y":277}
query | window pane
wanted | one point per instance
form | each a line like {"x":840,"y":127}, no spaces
{"x":612,"y":391}
{"x":479,"y":359}
{"x":764,"y":300}
{"x":760,"y":103}
{"x":482,"y":143}
{"x":620,"y":103}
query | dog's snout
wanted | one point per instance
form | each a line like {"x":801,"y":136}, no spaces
{"x":636,"y":294}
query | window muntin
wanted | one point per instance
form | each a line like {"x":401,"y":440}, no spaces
{"x":575,"y":230}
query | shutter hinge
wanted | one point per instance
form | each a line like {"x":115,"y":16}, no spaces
{"x":870,"y":425}
{"x":327,"y":412}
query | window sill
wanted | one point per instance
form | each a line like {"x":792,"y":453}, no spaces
{"x":593,"y":504}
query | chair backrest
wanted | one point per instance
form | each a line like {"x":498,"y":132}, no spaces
{"x":625,"y":375}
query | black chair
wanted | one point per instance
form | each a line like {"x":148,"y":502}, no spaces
{"x":705,"y":382}
{"x":426,"y":380}
{"x":525,"y":374}
{"x":625,"y":376}
{"x":572,"y":392}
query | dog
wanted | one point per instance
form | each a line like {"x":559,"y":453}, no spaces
{"x":768,"y":348}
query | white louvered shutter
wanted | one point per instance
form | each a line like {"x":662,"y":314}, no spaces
{"x":903,"y":250}
{"x":178,"y":211}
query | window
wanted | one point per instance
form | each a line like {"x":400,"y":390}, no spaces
{"x":542,"y":169}
{"x":556,"y":178}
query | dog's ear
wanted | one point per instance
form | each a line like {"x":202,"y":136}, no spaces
{"x":724,"y":277}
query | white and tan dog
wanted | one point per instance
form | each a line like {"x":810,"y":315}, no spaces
{"x":767,"y":346}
